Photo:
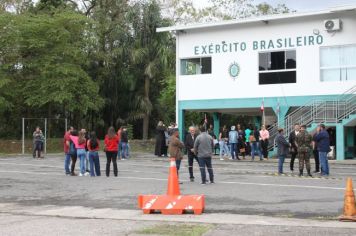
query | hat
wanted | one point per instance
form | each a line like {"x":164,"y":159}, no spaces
{"x":233,"y":127}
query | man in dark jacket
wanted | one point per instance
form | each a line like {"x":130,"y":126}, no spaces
{"x":282,"y":150}
{"x":294,"y":150}
{"x":323,"y":144}
{"x":189,"y":145}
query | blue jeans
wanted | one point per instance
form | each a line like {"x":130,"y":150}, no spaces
{"x":324,"y":163}
{"x":280,"y":163}
{"x":124,"y":150}
{"x":81,"y":155}
{"x":67,"y":163}
{"x":119,"y":149}
{"x":255,"y":149}
{"x":206,"y":161}
{"x":178,"y":164}
{"x":223,"y":148}
{"x":94,"y":163}
{"x":233,"y":150}
{"x":87,"y":161}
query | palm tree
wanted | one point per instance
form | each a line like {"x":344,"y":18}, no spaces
{"x":152,"y":53}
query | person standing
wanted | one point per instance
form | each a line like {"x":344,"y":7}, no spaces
{"x":124,"y":144}
{"x":203,"y":146}
{"x":80,"y":143}
{"x":223,"y":139}
{"x":119,"y":150}
{"x":323,"y":144}
{"x":241,"y":141}
{"x":303,"y":143}
{"x":211,"y":131}
{"x":93,"y":147}
{"x":189,"y":145}
{"x":316,"y":153}
{"x":66,"y":145}
{"x":72,"y":151}
{"x":111,"y":143}
{"x":233,"y":137}
{"x":37,"y":142}
{"x":282,"y":149}
{"x":247,"y":141}
{"x":264,"y":136}
{"x":160,"y":139}
{"x":175,"y":149}
{"x":294,"y":150}
{"x":255,"y":144}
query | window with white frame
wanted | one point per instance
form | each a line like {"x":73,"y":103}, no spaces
{"x":277,"y":67}
{"x":338,"y":63}
{"x":195,"y":66}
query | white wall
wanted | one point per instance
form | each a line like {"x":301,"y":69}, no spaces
{"x":220,"y":85}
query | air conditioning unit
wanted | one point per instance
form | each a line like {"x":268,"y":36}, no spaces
{"x":332,"y":25}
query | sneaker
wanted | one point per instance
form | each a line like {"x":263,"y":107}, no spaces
{"x":73,"y":174}
{"x":86,"y":174}
{"x":212,"y":182}
{"x":68,"y":174}
{"x":221,"y":159}
{"x":203,"y":183}
{"x":317,"y":171}
{"x":191,"y":179}
{"x":80,"y":174}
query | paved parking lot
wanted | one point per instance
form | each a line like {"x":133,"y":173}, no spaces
{"x":242,"y":187}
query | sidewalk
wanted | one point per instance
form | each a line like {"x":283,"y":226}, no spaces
{"x":137,"y":215}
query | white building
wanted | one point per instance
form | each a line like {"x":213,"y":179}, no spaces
{"x":301,"y":65}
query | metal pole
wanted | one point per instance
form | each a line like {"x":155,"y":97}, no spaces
{"x":23,"y":136}
{"x":45,"y":144}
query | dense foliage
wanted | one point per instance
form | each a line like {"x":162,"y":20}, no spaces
{"x":96,"y":62}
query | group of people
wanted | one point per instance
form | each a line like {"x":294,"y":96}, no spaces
{"x":199,"y":145}
{"x":243,"y":142}
{"x":301,"y":144}
{"x":85,"y":147}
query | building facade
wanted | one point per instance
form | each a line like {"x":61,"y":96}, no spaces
{"x":300,"y":66}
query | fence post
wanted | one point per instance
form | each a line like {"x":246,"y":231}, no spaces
{"x":45,"y":144}
{"x":23,"y":136}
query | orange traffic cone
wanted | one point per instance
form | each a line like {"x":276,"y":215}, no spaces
{"x":173,"y":202}
{"x":349,"y":203}
{"x":173,"y":185}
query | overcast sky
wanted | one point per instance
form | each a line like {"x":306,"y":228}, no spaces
{"x":298,"y":5}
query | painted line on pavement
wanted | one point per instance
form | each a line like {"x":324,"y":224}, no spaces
{"x":222,"y":182}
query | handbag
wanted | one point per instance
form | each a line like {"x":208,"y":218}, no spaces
{"x":242,"y":150}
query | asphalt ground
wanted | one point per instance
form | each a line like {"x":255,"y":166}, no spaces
{"x":242,"y":188}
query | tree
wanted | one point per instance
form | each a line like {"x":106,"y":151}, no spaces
{"x":184,"y":11}
{"x":43,"y":59}
{"x":152,"y":55}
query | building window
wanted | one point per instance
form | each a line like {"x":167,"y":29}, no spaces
{"x":277,"y":67}
{"x":338,"y":63}
{"x":195,"y":66}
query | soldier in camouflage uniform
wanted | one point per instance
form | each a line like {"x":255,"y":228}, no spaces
{"x":303,"y":142}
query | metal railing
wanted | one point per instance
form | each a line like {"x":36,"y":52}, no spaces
{"x":318,"y":111}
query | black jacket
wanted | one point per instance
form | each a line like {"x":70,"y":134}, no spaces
{"x":282,"y":145}
{"x":189,"y":143}
{"x":291,"y":139}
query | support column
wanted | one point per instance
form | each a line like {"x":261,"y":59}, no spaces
{"x":350,"y":138}
{"x":283,"y":110}
{"x":216,"y":118}
{"x":257,"y":120}
{"x":181,"y":123}
{"x":340,"y":142}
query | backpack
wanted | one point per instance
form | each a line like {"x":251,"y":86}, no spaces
{"x":72,"y":149}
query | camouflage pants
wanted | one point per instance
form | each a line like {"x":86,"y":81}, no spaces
{"x":304,"y":157}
